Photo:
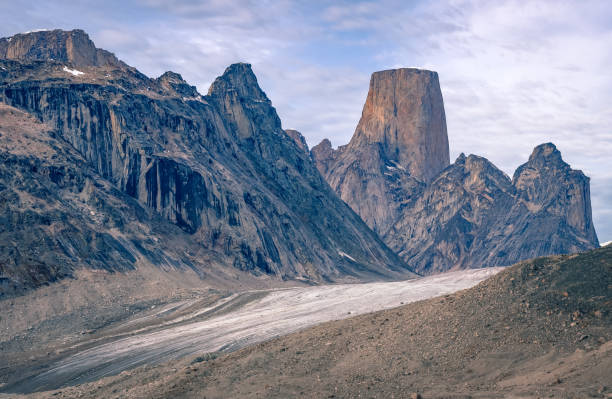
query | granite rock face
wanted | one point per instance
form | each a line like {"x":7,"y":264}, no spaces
{"x":219,"y":167}
{"x":57,"y":215}
{"x":439,"y":217}
{"x":399,"y":144}
{"x":404,"y":115}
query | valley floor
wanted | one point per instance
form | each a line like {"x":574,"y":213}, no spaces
{"x":211,"y":323}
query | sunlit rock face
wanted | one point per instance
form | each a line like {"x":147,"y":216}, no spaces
{"x":404,"y":115}
{"x":399,"y":145}
{"x":473,"y":214}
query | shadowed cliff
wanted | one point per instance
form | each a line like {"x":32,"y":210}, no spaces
{"x":219,"y":167}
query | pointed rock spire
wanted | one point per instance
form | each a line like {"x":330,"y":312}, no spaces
{"x":404,"y":113}
{"x":240,"y":78}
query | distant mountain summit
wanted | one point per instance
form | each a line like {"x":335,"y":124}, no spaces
{"x":166,"y":176}
{"x":73,"y":47}
{"x":395,"y":174}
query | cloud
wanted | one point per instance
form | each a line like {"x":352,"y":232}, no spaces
{"x":514,"y":74}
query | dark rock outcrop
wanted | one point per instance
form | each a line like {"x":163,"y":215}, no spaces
{"x":469,"y":214}
{"x":220,"y":167}
{"x":58,"y":215}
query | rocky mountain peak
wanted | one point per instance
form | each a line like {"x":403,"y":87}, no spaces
{"x":325,"y":156}
{"x":173,"y":81}
{"x":547,"y":183}
{"x":171,"y":77}
{"x":241,"y":100}
{"x":404,"y":113}
{"x":544,"y":157}
{"x":73,"y":47}
{"x":546,"y":154}
{"x":240,"y":78}
{"x":298,"y":138}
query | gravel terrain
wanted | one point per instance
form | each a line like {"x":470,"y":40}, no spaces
{"x":213,"y":322}
{"x":542,"y":328}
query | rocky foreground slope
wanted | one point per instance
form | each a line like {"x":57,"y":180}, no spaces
{"x":150,"y":171}
{"x":542,"y":328}
{"x":395,"y":174}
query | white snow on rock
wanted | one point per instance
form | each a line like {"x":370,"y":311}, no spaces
{"x":345,"y":255}
{"x":36,"y":30}
{"x":398,"y":166}
{"x":73,"y":71}
{"x":605,"y":244}
{"x":281,"y":312}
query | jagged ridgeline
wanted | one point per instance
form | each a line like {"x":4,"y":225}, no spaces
{"x":106,"y":168}
{"x":395,"y":173}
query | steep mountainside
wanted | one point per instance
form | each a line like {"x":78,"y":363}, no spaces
{"x":219,"y":166}
{"x":57,"y":215}
{"x":473,"y":214}
{"x":395,"y":174}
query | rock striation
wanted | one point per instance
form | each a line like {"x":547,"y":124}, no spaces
{"x":395,"y":174}
{"x":218,"y":167}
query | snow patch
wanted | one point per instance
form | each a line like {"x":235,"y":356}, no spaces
{"x":36,"y":30}
{"x":345,"y":255}
{"x":196,"y":98}
{"x":605,"y":244}
{"x":73,"y":71}
{"x":9,"y":39}
{"x":398,"y":166}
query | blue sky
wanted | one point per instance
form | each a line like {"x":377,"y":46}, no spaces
{"x":514,"y":74}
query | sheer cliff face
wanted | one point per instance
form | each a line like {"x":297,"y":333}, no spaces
{"x":395,"y":174}
{"x":404,"y":115}
{"x":219,"y":167}
{"x":399,"y":145}
{"x":547,"y":184}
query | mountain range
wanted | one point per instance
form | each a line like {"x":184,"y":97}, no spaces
{"x":118,"y":169}
{"x":395,"y":173}
{"x":105,"y":168}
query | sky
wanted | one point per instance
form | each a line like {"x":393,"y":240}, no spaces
{"x":514,"y":74}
